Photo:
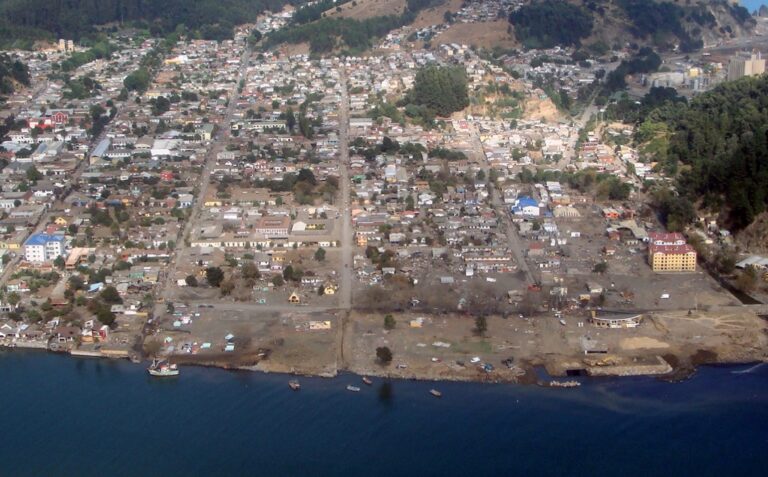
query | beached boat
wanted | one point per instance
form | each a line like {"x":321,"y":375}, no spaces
{"x":435,"y":393}
{"x":162,"y":368}
{"x":367,"y":380}
{"x":294,"y":384}
{"x":354,"y":389}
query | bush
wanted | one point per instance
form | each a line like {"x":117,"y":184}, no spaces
{"x":389,"y":322}
{"x":214,"y":275}
{"x":384,"y":355}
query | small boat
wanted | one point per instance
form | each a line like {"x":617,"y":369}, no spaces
{"x":162,"y":368}
{"x":294,"y":384}
{"x":564,"y":384}
{"x":354,"y":389}
{"x":367,"y":380}
{"x":435,"y":393}
{"x":562,"y":322}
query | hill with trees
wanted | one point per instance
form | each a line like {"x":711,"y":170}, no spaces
{"x":717,"y":147}
{"x":351,"y":35}
{"x":440,"y":90}
{"x":662,"y":24}
{"x":24,"y":21}
{"x":12,"y":73}
{"x":551,"y":23}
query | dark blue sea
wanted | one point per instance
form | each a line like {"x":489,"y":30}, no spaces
{"x":65,"y":416}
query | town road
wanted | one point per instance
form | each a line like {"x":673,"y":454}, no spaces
{"x":345,"y":285}
{"x":219,"y":142}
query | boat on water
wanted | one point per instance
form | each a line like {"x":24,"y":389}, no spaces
{"x":435,"y":393}
{"x":564,"y":384}
{"x":367,"y":380}
{"x":294,"y":384}
{"x":162,"y":368}
{"x":354,"y":389}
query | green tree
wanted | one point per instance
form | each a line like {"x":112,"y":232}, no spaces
{"x":389,"y":322}
{"x":441,"y":89}
{"x":191,"y":281}
{"x":214,"y":275}
{"x":110,"y":295}
{"x":249,"y":270}
{"x":137,"y":81}
{"x":481,"y":325}
{"x":320,"y":254}
{"x":33,"y":175}
{"x":600,"y":267}
{"x":13,"y":299}
{"x":384,"y":355}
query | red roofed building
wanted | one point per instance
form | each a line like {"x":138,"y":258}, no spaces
{"x":666,"y":238}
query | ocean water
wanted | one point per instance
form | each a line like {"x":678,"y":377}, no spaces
{"x":67,"y":416}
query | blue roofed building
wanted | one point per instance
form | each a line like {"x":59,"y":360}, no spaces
{"x":43,"y":247}
{"x":525,"y":205}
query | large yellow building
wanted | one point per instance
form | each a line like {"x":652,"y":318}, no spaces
{"x":672,"y":258}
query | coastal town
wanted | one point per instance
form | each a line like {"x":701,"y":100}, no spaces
{"x":222,"y":203}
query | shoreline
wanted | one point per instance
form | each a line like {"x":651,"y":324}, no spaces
{"x":531,"y":376}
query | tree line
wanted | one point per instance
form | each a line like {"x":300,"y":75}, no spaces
{"x":716,"y":146}
{"x":76,"y":19}
{"x":12,"y":72}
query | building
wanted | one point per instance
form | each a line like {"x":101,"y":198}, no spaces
{"x":662,"y":238}
{"x":745,"y":64}
{"x":273,"y":227}
{"x":672,"y":258}
{"x":43,"y":247}
{"x":527,"y":206}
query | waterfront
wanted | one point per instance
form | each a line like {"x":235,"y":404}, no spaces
{"x":64,"y":416}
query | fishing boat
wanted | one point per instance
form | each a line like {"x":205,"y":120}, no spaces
{"x":162,"y":368}
{"x":294,"y":384}
{"x":435,"y":393}
{"x":354,"y":389}
{"x":564,"y":384}
{"x":367,"y":380}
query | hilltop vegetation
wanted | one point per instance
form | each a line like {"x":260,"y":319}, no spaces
{"x":550,"y":23}
{"x":12,"y":72}
{"x":717,"y":146}
{"x":441,"y":90}
{"x":23,"y":21}
{"x":664,"y":24}
{"x":354,"y":36}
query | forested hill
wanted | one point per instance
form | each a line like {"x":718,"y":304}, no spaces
{"x":662,"y":24}
{"x":718,"y":144}
{"x":12,"y":73}
{"x":27,"y":20}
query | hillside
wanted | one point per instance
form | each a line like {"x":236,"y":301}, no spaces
{"x":24,"y":21}
{"x":664,"y":25}
{"x":717,"y":148}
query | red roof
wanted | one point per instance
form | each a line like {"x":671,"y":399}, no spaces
{"x":666,"y":237}
{"x":671,"y":249}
